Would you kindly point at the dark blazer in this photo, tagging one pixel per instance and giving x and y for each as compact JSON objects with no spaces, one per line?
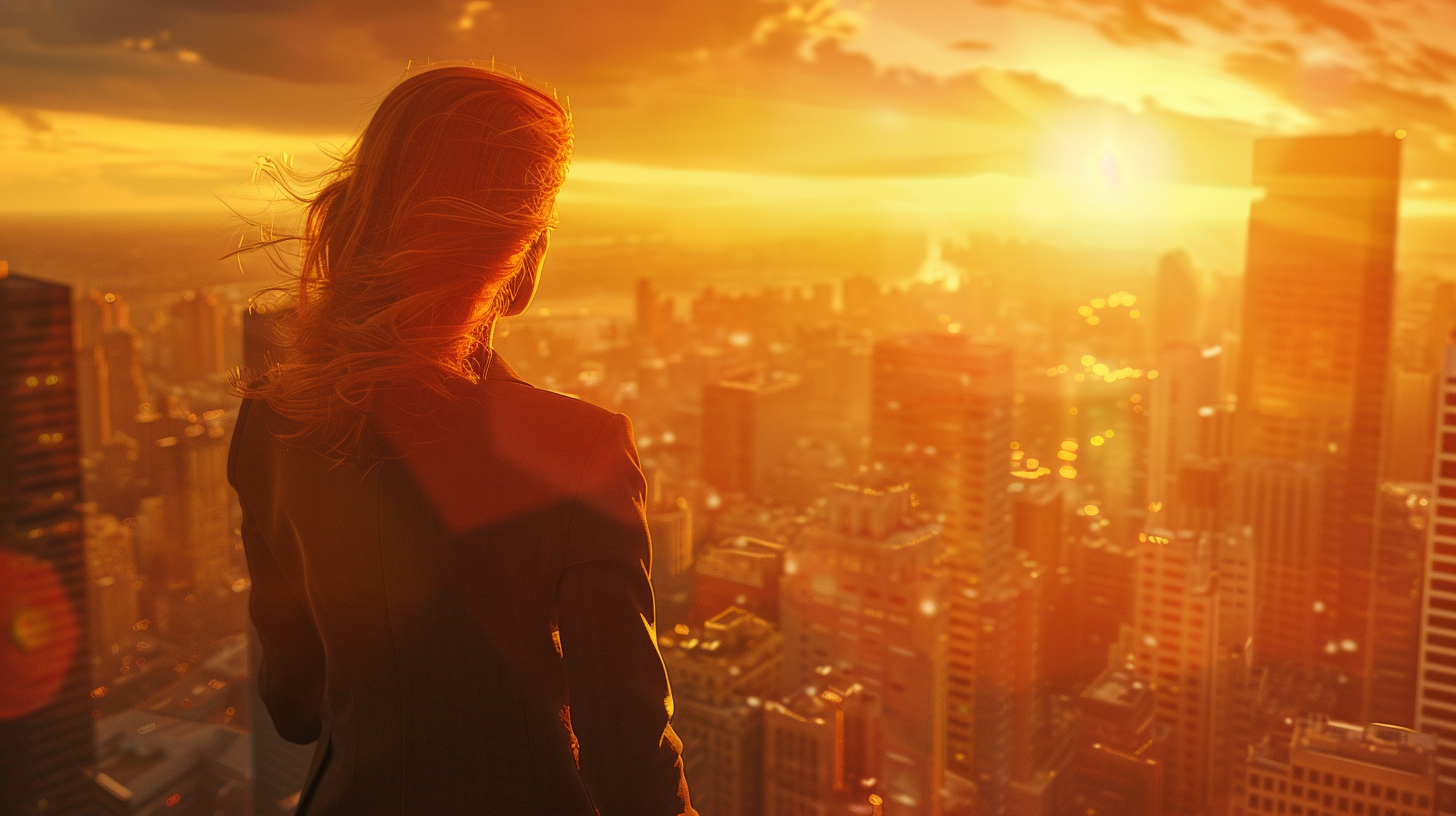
{"x":466,"y":627}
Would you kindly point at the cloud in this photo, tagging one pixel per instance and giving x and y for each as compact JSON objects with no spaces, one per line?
{"x":31,"y":120}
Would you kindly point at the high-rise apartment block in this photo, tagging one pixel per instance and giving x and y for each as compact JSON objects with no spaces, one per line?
{"x":821,"y":749}
{"x":862,"y":595}
{"x":1436,"y":697}
{"x":1327,"y":766}
{"x":112,"y":593}
{"x":45,"y":712}
{"x":1316,"y":321}
{"x":198,"y":328}
{"x":1404,"y":517}
{"x":721,"y":675}
{"x":748,"y":422}
{"x":941,"y":416}
{"x":1191,"y":638}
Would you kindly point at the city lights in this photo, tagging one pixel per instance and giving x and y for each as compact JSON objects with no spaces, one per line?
{"x":931,"y":408}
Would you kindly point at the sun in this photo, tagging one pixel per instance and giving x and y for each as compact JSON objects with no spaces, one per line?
{"x":1107,"y":168}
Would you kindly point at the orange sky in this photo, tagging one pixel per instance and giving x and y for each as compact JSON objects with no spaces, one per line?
{"x":1124,"y":121}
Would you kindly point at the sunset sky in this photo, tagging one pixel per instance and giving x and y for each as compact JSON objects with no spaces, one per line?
{"x":1097,"y":119}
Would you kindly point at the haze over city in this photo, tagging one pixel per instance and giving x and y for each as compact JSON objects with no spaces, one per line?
{"x":1042,"y":403}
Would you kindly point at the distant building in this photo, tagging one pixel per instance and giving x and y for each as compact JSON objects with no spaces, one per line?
{"x":1191,"y":638}
{"x":1187,"y":383}
{"x":1116,"y":765}
{"x":1316,"y":323}
{"x":670,"y":526}
{"x":198,"y":335}
{"x":45,"y":711}
{"x":862,"y":595}
{"x":1283,"y":502}
{"x":1404,"y":521}
{"x":941,"y":416}
{"x":742,"y":572}
{"x":1326,"y":766}
{"x":1104,"y":580}
{"x":748,"y":422}
{"x":123,"y":386}
{"x":112,"y":594}
{"x":821,"y":749}
{"x":721,"y":675}
{"x":1037,"y":524}
{"x":1410,"y":426}
{"x":158,"y":764}
{"x":190,"y":559}
{"x":1436,"y":697}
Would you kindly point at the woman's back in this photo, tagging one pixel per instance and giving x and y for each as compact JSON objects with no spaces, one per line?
{"x":408,"y":609}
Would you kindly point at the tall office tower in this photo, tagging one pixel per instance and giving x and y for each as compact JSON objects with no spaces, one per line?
{"x":720,"y":677}
{"x":112,"y":594}
{"x":821,"y":749}
{"x":1312,"y":371}
{"x":1327,"y":766}
{"x":1409,"y":430}
{"x":197,"y":326}
{"x":190,"y":560}
{"x":837,"y":378}
{"x":748,"y":422}
{"x":1177,"y":303}
{"x":1191,"y":636}
{"x":1284,"y":504}
{"x":1009,"y":722}
{"x":1117,"y":764}
{"x":1402,"y":522}
{"x":670,"y":527}
{"x":941,"y":416}
{"x":1104,"y":580}
{"x":741,"y":571}
{"x":1187,"y":384}
{"x":126,"y":388}
{"x":45,"y":712}
{"x":862,"y":594}
{"x":1436,"y":695}
{"x":648,"y":311}
{"x":1036,"y":522}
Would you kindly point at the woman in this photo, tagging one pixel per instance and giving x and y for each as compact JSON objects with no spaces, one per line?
{"x":450,"y":567}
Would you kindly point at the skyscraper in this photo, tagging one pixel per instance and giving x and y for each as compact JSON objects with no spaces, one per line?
{"x":721,"y":674}
{"x":862,"y":595}
{"x":748,"y":421}
{"x":1312,"y":369}
{"x":941,"y":416}
{"x":1436,"y":697}
{"x":45,"y":712}
{"x":1191,"y":636}
{"x":197,"y":328}
{"x":1395,"y":618}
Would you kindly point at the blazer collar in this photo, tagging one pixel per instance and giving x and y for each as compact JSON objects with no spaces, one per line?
{"x":496,"y":367}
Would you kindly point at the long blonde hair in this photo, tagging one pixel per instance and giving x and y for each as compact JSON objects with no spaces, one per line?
{"x":414,"y":244}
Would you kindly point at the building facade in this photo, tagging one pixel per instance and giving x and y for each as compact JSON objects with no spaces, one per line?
{"x":45,"y":711}
{"x":1316,"y":323}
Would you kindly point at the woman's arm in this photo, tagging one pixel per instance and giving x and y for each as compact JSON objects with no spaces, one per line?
{"x":621,"y":703}
{"x":291,"y":668}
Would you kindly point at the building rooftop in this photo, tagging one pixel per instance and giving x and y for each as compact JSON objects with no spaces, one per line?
{"x":1388,"y":746}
